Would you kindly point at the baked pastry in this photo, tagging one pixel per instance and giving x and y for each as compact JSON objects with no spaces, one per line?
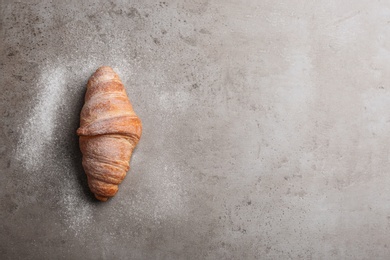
{"x":109,"y":131}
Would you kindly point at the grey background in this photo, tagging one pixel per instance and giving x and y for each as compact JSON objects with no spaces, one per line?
{"x":266,"y":128}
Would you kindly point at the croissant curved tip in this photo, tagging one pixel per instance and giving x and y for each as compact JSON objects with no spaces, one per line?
{"x":103,"y":74}
{"x":106,"y":68}
{"x":101,"y":198}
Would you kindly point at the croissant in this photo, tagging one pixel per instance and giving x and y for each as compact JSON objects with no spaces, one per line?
{"x":109,"y":131}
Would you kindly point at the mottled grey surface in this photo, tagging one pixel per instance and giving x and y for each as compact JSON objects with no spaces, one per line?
{"x":266,"y":129}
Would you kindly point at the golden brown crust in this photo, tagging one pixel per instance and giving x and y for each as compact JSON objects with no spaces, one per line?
{"x":109,"y":131}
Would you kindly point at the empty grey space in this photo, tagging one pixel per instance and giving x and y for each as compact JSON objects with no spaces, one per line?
{"x":266,"y":129}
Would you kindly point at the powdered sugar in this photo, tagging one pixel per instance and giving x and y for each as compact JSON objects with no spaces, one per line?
{"x":38,"y":136}
{"x":38,"y":130}
{"x":77,"y":213}
{"x":159,"y":195}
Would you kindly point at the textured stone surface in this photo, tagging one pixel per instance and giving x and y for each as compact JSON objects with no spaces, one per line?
{"x":266,"y":129}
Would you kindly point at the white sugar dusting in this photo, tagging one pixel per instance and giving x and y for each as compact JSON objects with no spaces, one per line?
{"x":37,"y":137}
{"x":38,"y":130}
{"x":77,"y":212}
{"x":162,"y":190}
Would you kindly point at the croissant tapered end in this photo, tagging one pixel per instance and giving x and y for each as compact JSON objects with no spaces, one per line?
{"x":103,"y":74}
{"x":109,"y":131}
{"x":101,"y":198}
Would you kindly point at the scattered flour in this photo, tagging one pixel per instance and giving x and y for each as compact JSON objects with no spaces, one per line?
{"x":159,"y":199}
{"x":76,"y":211}
{"x":38,"y":130}
{"x":37,"y":139}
